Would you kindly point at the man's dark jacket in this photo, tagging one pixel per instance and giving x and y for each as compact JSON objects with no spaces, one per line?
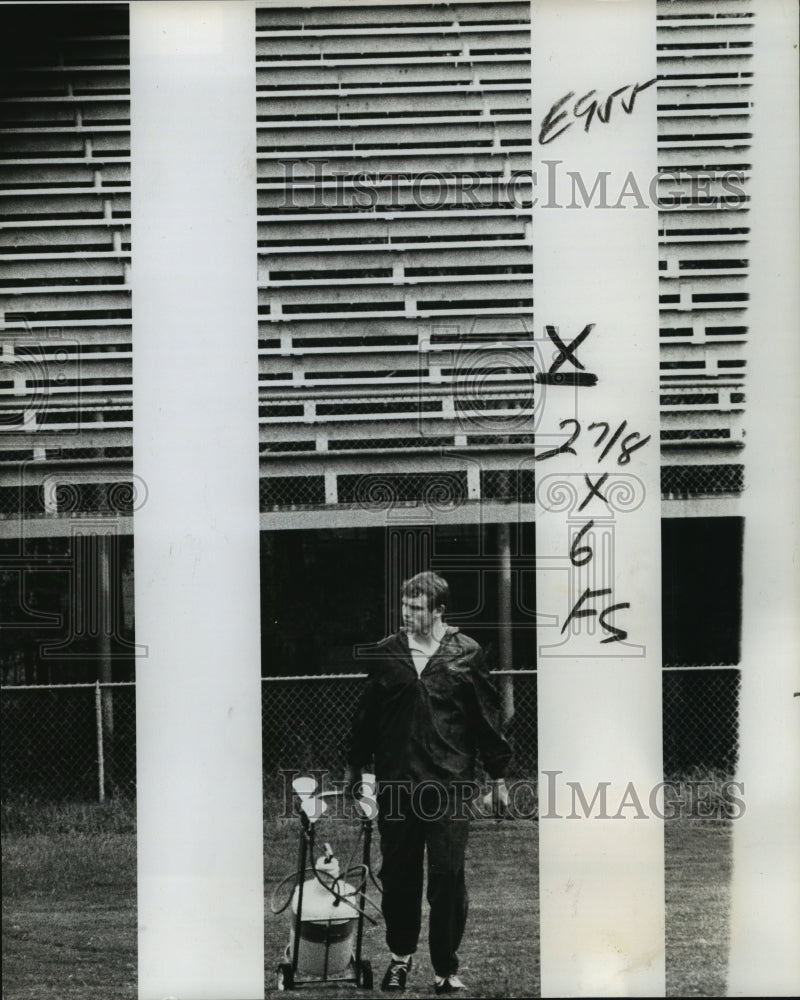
{"x":430,"y":726}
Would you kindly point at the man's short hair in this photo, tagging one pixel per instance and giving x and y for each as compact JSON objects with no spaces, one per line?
{"x":429,"y":585}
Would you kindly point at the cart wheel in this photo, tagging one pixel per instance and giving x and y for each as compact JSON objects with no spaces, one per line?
{"x":285,"y":976}
{"x":364,"y":974}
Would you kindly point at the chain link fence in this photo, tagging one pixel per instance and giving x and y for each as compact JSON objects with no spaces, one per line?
{"x":682,"y":482}
{"x":278,"y":492}
{"x":700,"y":707}
{"x":78,"y":742}
{"x":67,"y":742}
{"x":365,"y":490}
{"x":382,"y":490}
{"x":306,"y":722}
{"x":61,"y":499}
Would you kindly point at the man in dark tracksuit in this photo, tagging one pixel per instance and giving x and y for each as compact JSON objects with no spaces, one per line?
{"x":428,"y":709}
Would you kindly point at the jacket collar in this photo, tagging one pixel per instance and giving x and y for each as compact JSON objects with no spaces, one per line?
{"x":449,"y":632}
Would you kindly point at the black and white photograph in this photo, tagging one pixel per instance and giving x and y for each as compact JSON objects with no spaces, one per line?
{"x":398,"y":503}
{"x":67,"y":499}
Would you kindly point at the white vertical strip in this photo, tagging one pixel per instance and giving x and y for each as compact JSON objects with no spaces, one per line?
{"x":200,"y":870}
{"x":765,"y":914}
{"x":601,"y":857}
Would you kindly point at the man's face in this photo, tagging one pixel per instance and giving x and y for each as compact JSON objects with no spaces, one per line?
{"x":418,"y":618}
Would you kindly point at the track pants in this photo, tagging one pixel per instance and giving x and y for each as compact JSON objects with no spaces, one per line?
{"x":406,"y":831}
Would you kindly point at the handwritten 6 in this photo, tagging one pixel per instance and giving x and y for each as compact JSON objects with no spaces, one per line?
{"x":556,"y":121}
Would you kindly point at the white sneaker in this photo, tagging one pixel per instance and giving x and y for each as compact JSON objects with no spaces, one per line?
{"x":450,"y":985}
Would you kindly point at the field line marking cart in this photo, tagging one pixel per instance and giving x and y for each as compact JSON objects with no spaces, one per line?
{"x":327,"y":912}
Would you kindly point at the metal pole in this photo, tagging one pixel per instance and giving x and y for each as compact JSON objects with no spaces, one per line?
{"x":366,"y":826}
{"x":106,"y":628}
{"x":101,"y":765}
{"x":305,"y":845}
{"x":504,"y":618}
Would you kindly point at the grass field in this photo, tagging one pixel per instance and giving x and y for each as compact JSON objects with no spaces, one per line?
{"x":697,"y":868}
{"x":69,"y":903}
{"x":499,"y":955}
{"x":69,"y":906}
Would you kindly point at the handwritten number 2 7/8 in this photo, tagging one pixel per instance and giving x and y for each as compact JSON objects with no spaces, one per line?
{"x":627,"y":444}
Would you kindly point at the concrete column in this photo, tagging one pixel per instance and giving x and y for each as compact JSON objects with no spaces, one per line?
{"x":599,"y":666}
{"x":195,"y":387}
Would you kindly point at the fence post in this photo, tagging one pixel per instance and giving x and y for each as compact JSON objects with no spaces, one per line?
{"x":106,"y":628}
{"x":101,"y":767}
{"x":504,"y":618}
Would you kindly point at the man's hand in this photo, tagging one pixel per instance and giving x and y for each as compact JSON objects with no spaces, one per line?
{"x":361,"y":791}
{"x":497,"y":798}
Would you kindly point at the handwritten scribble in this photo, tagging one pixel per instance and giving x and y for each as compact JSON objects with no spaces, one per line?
{"x":588,"y":106}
